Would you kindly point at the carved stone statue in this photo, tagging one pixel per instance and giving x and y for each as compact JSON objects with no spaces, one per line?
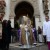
{"x":2,"y":9}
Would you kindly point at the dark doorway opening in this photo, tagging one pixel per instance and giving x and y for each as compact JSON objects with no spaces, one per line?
{"x":23,"y":9}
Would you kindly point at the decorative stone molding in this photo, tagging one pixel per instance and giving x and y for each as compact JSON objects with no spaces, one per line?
{"x":45,"y":7}
{"x":2,"y":9}
{"x":13,"y":0}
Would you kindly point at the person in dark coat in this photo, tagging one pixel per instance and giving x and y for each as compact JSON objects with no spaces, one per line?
{"x":40,"y":34}
{"x":6,"y":34}
{"x":9,"y":33}
{"x":35,"y":33}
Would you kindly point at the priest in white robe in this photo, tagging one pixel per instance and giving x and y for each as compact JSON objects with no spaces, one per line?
{"x":46,"y":30}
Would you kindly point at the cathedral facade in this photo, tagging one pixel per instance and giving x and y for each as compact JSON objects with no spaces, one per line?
{"x":34,"y":8}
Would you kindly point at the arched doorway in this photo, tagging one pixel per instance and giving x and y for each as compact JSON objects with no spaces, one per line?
{"x":23,"y":9}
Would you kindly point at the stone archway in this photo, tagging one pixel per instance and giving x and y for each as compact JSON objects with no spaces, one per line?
{"x":22,"y":9}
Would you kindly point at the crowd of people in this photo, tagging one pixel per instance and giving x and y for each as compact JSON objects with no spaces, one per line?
{"x":40,"y":35}
{"x":6,"y":34}
{"x":37,"y":34}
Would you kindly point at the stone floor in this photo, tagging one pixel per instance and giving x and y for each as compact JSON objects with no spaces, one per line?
{"x":39,"y":46}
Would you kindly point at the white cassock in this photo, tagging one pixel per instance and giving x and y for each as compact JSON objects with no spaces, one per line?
{"x":46,"y":30}
{"x":40,"y":38}
{"x":44,"y":27}
{"x":27,"y":34}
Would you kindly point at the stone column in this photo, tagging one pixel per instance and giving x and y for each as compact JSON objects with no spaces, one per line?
{"x":42,"y":16}
{"x":7,"y":10}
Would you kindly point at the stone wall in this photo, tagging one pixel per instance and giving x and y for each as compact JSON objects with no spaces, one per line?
{"x":34,"y":3}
